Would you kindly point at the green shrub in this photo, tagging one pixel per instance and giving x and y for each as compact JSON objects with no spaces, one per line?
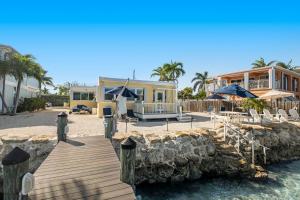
{"x":31,"y":104}
{"x":257,"y":104}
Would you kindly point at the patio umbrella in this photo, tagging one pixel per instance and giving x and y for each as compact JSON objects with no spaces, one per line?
{"x":125,"y":92}
{"x":235,"y":90}
{"x":215,"y":97}
{"x":275,"y":94}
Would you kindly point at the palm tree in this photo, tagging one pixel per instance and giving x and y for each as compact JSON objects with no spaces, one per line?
{"x":286,"y":65}
{"x":161,"y":72}
{"x":261,"y":63}
{"x":169,"y":71}
{"x":174,"y":70}
{"x":4,"y":70}
{"x":21,"y":65}
{"x":41,"y":76}
{"x":200,"y":80}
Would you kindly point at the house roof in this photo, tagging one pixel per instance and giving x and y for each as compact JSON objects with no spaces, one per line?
{"x":138,"y":81}
{"x":261,"y":69}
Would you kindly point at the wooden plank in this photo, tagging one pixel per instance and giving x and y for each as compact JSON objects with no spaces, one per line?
{"x":88,"y":170}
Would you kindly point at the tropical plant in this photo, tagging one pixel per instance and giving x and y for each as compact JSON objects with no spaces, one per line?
{"x":261,"y":63}
{"x":287,"y":65}
{"x":21,"y":65}
{"x":186,"y":93}
{"x":4,"y":70}
{"x":257,"y":104}
{"x":200,"y":95}
{"x":199,"y":81}
{"x":169,"y":71}
{"x":161,"y":72}
{"x":63,"y":90}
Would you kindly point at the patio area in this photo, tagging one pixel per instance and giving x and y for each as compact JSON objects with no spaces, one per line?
{"x":44,"y":123}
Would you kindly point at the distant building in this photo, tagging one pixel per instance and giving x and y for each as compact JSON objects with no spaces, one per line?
{"x":29,"y":87}
{"x":156,"y":99}
{"x":261,"y":80}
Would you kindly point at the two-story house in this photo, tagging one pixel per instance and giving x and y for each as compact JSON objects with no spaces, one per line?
{"x":29,"y":86}
{"x":261,"y":80}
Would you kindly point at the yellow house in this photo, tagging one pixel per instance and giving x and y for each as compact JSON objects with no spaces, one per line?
{"x":156,"y":99}
{"x":83,"y":95}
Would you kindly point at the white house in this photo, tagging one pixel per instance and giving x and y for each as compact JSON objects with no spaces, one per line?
{"x":29,"y":87}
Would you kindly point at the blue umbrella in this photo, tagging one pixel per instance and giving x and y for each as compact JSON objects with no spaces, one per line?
{"x":215,"y":97}
{"x":236,"y":90}
{"x":126,"y":92}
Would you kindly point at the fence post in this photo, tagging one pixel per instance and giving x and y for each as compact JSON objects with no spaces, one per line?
{"x":225,"y":130}
{"x":127,"y":159}
{"x":15,"y":166}
{"x":108,"y":126}
{"x":238,"y":143}
{"x":62,"y":121}
{"x":252,"y":147}
{"x":265,"y":155}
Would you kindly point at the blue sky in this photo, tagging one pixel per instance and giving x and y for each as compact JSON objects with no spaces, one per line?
{"x":81,"y":40}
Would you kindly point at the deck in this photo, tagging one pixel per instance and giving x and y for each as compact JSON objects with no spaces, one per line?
{"x":82,"y":168}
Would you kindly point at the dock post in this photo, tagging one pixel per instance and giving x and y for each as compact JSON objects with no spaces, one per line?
{"x":15,"y":166}
{"x":108,"y":126}
{"x":62,"y":121}
{"x":127,"y":159}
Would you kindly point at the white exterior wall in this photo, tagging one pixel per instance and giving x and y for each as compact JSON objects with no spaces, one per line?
{"x":29,"y":87}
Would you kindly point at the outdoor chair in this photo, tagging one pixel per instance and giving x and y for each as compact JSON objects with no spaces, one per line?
{"x":294,"y":114}
{"x":255,"y":116}
{"x":130,"y":116}
{"x":268,"y":116}
{"x":283,"y":116}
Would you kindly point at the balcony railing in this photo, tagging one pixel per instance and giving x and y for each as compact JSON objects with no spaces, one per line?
{"x":155,"y":108}
{"x":256,"y":84}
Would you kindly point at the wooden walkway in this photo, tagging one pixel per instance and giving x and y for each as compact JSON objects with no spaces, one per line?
{"x":83,"y":168}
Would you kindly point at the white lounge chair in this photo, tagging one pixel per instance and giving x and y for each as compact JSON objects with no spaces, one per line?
{"x":268,"y":116}
{"x":256,"y":117}
{"x":294,"y":114}
{"x":283,"y":116}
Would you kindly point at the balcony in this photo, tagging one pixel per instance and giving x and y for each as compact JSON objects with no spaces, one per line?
{"x":258,"y":84}
{"x":155,"y":110}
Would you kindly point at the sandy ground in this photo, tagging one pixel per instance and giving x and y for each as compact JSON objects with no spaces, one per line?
{"x":44,"y":123}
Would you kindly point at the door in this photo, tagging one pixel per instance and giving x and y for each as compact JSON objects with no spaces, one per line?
{"x":159,"y":101}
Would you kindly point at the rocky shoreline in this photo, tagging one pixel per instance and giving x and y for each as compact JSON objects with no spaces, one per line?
{"x":189,"y":155}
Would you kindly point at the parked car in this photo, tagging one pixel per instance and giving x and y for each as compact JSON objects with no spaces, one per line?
{"x":81,"y":108}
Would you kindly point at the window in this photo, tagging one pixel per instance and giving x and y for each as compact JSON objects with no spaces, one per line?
{"x":91,"y":96}
{"x":76,"y":96}
{"x":137,"y":91}
{"x":108,"y":96}
{"x":84,"y":96}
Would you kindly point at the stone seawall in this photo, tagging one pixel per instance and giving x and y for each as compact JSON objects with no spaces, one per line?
{"x":38,"y":147}
{"x":189,"y":155}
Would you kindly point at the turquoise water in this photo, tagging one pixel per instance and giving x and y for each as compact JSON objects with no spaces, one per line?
{"x":284,"y":183}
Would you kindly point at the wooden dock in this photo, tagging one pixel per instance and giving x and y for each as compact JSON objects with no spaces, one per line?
{"x":82,"y":168}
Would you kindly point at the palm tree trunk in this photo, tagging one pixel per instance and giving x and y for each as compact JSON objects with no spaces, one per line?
{"x":16,"y":100}
{"x":4,"y":105}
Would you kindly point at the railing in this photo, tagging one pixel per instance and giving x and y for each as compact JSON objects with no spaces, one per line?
{"x":155,"y":108}
{"x":234,"y":133}
{"x":256,"y":84}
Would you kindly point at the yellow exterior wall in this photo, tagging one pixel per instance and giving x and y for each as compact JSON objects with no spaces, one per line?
{"x":87,"y":103}
{"x":148,"y":96}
